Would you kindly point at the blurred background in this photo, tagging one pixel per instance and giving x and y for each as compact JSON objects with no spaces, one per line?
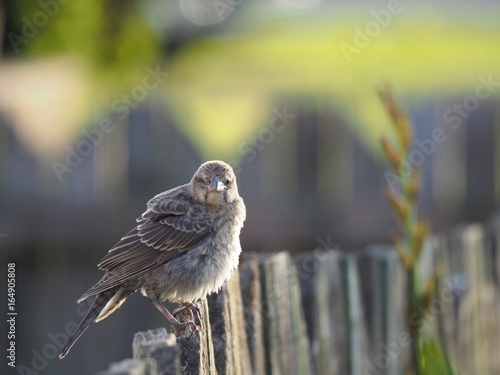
{"x":105,"y":103}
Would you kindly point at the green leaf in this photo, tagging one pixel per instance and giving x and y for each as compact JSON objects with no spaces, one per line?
{"x":433,"y":360}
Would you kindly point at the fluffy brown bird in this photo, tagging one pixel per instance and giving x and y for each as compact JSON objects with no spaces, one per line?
{"x":185,"y":246}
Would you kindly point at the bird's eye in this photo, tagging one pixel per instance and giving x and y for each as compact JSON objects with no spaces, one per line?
{"x":227,"y":181}
{"x":204,"y":180}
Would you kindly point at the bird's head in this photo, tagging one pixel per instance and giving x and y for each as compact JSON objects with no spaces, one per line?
{"x":214,"y":183}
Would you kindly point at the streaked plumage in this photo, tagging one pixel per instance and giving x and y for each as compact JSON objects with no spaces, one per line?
{"x":185,"y":246}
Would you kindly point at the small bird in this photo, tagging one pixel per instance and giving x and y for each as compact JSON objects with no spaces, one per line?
{"x":185,"y":246}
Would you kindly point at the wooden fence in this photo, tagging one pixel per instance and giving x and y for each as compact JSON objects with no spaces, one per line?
{"x":334,"y":312}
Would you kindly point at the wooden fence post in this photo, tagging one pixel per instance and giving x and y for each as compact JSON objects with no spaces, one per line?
{"x":494,"y":254}
{"x":440,"y":315}
{"x":285,"y":337}
{"x":322,"y":289}
{"x":330,"y":312}
{"x":159,"y":346}
{"x":356,"y":327}
{"x":384,"y":307}
{"x":495,"y":248}
{"x":251,"y":293}
{"x":146,"y":366}
{"x":228,"y":329}
{"x":477,"y":321}
{"x":196,"y":350}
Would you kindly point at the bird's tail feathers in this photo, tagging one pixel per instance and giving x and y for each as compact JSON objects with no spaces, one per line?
{"x":113,"y":303}
{"x":105,"y":303}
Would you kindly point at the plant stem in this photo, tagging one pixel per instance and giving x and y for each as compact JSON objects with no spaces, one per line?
{"x":414,"y":327}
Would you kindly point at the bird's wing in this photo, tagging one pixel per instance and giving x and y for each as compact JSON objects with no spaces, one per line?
{"x":169,"y":227}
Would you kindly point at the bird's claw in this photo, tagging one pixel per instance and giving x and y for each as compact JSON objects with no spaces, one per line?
{"x":195,"y":313}
{"x":194,"y":322}
{"x":180,"y":328}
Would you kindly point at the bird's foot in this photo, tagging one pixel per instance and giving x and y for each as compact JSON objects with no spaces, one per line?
{"x":177,"y":326}
{"x":194,"y":309}
{"x":180,"y":327}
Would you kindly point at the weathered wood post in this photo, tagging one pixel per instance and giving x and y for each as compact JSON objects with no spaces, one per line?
{"x":160,"y":347}
{"x":251,"y":293}
{"x":334,"y":312}
{"x":439,"y":319}
{"x":477,"y":314}
{"x":196,"y":350}
{"x":383,"y":293}
{"x":356,"y":326}
{"x":132,"y":367}
{"x":161,"y":353}
{"x":494,"y":243}
{"x":228,"y":336}
{"x":320,"y":276}
{"x":285,"y":337}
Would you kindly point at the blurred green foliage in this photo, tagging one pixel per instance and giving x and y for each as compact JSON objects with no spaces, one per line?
{"x":428,"y":356}
{"x":234,"y":82}
{"x":433,"y":360}
{"x":111,"y":37}
{"x":234,"y":77}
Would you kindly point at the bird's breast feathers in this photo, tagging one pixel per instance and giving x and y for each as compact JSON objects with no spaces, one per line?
{"x":203,"y":269}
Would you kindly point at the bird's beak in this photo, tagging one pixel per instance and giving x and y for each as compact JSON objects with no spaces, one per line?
{"x":217,"y":184}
